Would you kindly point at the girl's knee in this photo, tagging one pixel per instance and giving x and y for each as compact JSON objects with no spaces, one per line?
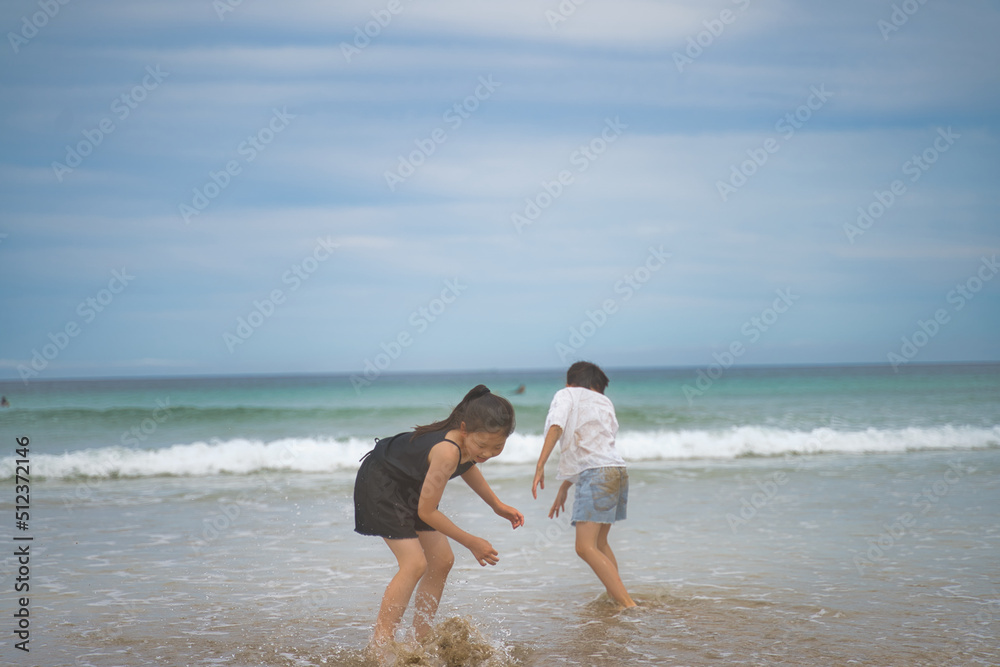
{"x":441,"y":563}
{"x":413,"y":568}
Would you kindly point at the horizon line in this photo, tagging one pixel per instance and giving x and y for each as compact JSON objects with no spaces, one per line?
{"x":551,"y":369}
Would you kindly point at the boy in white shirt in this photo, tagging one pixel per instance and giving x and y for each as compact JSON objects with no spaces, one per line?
{"x":582,"y":419}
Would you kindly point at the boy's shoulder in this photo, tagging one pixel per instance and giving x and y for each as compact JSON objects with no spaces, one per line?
{"x":581,"y":394}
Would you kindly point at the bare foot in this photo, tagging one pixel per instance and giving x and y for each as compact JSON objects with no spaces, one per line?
{"x":381,"y":653}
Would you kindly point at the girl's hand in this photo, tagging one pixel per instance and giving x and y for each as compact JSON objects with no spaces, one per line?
{"x":483,"y":551}
{"x":560,"y":502}
{"x":506,"y":511}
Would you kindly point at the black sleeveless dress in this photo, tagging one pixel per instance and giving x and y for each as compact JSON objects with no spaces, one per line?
{"x":387,"y":488}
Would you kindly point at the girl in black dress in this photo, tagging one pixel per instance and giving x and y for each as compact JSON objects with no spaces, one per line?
{"x":396,"y":496}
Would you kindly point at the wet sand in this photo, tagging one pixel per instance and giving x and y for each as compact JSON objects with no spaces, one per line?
{"x":807,"y":561}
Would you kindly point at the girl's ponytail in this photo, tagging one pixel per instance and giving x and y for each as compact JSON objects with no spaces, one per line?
{"x":476,"y":392}
{"x":481,"y":410}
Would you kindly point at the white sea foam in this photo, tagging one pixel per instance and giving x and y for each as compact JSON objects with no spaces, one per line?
{"x":241,"y":456}
{"x":237,"y":456}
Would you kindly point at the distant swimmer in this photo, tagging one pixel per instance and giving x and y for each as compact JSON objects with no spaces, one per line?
{"x":520,"y":389}
{"x":4,"y":403}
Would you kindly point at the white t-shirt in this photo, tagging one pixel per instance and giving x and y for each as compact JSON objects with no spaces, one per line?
{"x":589,"y":426}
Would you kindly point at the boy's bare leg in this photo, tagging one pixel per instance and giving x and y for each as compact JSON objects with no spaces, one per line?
{"x":602,"y":544}
{"x":439,"y":561}
{"x":412,"y":565}
{"x":605,"y":568}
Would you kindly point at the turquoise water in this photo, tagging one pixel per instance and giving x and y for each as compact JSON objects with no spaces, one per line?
{"x":770,"y":411}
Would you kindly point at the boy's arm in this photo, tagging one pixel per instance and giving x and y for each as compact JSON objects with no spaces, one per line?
{"x":474,"y":478}
{"x":551,"y":438}
{"x":560,"y":502}
{"x":443,"y":461}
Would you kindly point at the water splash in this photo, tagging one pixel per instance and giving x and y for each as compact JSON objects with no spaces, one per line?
{"x":455,"y":642}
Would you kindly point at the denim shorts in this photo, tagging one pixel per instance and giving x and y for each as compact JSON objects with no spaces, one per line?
{"x":601,"y":495}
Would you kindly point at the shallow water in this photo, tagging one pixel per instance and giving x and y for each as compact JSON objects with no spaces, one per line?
{"x":809,"y":560}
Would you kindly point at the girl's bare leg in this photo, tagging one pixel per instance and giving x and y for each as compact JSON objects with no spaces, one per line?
{"x":606,"y":569}
{"x":440,"y":558}
{"x":412,"y":565}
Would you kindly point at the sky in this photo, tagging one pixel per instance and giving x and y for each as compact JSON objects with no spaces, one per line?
{"x":199,"y":187}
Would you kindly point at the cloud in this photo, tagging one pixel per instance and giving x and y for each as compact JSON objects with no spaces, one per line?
{"x":450,"y":213}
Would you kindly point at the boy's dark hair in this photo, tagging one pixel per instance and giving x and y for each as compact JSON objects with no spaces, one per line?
{"x":481,"y":410}
{"x":588,"y":375}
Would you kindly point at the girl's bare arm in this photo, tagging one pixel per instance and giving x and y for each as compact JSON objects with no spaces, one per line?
{"x":474,"y":478}
{"x":444,"y":460}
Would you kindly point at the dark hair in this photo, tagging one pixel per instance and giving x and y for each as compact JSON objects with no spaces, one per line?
{"x":588,"y":375}
{"x":481,"y":410}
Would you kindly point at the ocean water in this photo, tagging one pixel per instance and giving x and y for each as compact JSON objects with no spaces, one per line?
{"x":794,"y":516}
